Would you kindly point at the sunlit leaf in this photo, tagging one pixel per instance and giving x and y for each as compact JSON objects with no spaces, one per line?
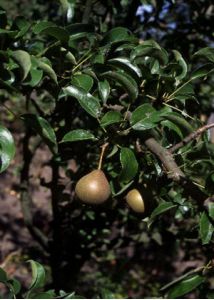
{"x":7,"y":148}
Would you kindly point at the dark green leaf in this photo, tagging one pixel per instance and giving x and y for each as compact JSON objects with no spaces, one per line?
{"x":88,"y":102}
{"x":3,"y":276}
{"x":145,"y":117}
{"x":129,"y":165}
{"x":115,"y":35}
{"x":126,"y":65}
{"x":182,"y":64}
{"x":127,"y":82}
{"x":83,"y":80}
{"x":15,"y":285}
{"x":206,"y":229}
{"x":152,"y":49}
{"x":110,"y":117}
{"x":179,"y":121}
{"x":7,"y":148}
{"x":40,"y":26}
{"x":78,"y":135}
{"x":162,"y":208}
{"x":206,"y":52}
{"x":42,"y":128}
{"x":43,"y":295}
{"x":104,"y":90}
{"x":173,"y":127}
{"x":38,"y":276}
{"x":23,"y":60}
{"x":185,"y":286}
{"x":202,"y":71}
{"x":57,"y":32}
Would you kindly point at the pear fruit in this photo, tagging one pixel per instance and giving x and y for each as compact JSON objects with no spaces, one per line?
{"x":135,"y":201}
{"x":93,"y":188}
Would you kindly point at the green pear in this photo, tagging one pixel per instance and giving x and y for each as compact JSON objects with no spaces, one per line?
{"x":93,"y":188}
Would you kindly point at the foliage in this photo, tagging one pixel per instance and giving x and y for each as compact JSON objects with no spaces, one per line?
{"x":83,"y":88}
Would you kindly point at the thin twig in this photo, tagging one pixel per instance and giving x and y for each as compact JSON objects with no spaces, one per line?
{"x":190,"y":137}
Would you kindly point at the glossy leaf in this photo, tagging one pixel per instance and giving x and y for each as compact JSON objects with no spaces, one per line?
{"x":129,"y":165}
{"x":110,"y":117}
{"x":180,"y":60}
{"x":185,"y":286}
{"x":126,"y":65}
{"x":44,"y":66}
{"x":104,"y":90}
{"x":57,"y":32}
{"x":23,"y":60}
{"x":152,"y":49}
{"x":88,"y":102}
{"x":43,"y":129}
{"x":162,"y":208}
{"x":206,"y":229}
{"x":83,"y":81}
{"x":179,"y":121}
{"x":145,"y":117}
{"x":126,"y":81}
{"x":7,"y":148}
{"x":38,"y":275}
{"x":78,"y":135}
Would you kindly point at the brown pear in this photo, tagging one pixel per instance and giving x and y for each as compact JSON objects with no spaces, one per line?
{"x":135,"y":201}
{"x":93,"y":188}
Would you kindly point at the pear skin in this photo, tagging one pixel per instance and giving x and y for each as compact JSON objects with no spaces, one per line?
{"x":135,"y":201}
{"x":93,"y":188}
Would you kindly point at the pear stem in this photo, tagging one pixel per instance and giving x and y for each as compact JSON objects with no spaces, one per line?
{"x":104,"y":146}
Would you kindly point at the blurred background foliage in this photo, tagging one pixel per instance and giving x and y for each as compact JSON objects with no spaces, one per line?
{"x":127,"y":260}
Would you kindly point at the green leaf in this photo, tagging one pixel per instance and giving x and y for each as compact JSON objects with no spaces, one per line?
{"x":40,"y":26}
{"x":185,"y":286}
{"x":57,"y":32}
{"x":38,"y":276}
{"x":43,"y":129}
{"x":83,"y":80}
{"x":173,"y":127}
{"x":7,"y":148}
{"x":152,"y":49}
{"x":115,"y":35}
{"x":127,"y":82}
{"x":68,"y":55}
{"x":23,"y":60}
{"x":104,"y":90}
{"x":145,"y":117}
{"x":182,"y":64}
{"x":179,"y":121}
{"x":78,"y":135}
{"x":202,"y":71}
{"x":79,"y":30}
{"x":44,"y":66}
{"x":211,"y":210}
{"x":3,"y":276}
{"x":15,"y":285}
{"x":162,"y":208}
{"x":111,"y":117}
{"x":22,"y":25}
{"x":206,"y":52}
{"x":129,"y":165}
{"x":88,"y":102}
{"x":43,"y":295}
{"x":126,"y":65}
{"x":206,"y":229}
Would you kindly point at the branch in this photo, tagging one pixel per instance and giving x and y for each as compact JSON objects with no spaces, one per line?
{"x":190,"y":137}
{"x":25,"y":197}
